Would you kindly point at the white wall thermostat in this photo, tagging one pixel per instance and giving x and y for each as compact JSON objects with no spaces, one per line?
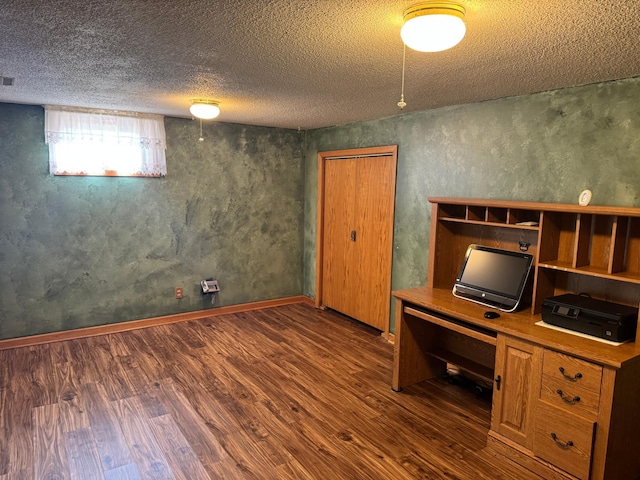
{"x":584,"y":198}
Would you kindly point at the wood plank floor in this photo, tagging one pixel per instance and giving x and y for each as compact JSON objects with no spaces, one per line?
{"x":282,"y":393}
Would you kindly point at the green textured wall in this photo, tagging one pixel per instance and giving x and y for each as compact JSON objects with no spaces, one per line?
{"x":241,"y":206}
{"x":84,"y":251}
{"x":542,"y":147}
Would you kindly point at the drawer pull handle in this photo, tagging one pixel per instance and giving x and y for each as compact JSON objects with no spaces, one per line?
{"x":566,"y":398}
{"x":560,"y":443}
{"x":498,"y":381}
{"x":569,"y":377}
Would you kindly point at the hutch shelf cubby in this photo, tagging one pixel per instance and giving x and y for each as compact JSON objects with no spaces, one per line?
{"x":589,"y":250}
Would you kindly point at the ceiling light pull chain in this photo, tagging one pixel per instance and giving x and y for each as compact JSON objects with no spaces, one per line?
{"x":402,"y":103}
{"x":201,"y":139}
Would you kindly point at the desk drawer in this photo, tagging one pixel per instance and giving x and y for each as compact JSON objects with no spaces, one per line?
{"x":570,"y":397}
{"x":571,"y":384}
{"x":563,"y":439}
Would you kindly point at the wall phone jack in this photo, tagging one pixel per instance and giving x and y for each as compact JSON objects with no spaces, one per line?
{"x":210,"y":287}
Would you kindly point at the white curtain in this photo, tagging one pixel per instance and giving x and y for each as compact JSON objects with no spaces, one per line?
{"x":88,"y":142}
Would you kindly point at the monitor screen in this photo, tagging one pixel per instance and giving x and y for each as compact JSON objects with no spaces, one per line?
{"x":493,"y":277}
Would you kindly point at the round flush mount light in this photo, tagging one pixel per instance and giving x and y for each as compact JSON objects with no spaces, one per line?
{"x":204,"y":109}
{"x":433,"y":26}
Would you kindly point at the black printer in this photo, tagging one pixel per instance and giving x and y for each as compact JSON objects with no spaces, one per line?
{"x":583,"y":314}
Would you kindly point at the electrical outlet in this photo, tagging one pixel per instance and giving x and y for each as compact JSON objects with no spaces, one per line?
{"x":178,"y":292}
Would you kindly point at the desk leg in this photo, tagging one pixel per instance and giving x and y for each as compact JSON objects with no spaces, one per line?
{"x":411,"y":360}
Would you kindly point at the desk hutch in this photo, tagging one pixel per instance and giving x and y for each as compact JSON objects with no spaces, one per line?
{"x":564,"y":406}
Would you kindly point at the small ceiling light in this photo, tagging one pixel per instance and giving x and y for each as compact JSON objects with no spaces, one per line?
{"x":204,"y":109}
{"x":433,"y":26}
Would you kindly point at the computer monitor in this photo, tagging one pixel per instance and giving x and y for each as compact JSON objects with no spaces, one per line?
{"x":493,"y":277}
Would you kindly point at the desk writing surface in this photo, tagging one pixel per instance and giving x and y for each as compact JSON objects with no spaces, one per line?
{"x":521,"y":325}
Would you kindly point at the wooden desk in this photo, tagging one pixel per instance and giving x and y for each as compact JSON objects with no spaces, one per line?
{"x":596,"y":436}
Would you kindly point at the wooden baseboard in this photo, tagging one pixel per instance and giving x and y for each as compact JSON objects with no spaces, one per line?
{"x":148,"y":322}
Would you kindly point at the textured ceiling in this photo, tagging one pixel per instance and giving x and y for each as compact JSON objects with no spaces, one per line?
{"x":301,"y":64}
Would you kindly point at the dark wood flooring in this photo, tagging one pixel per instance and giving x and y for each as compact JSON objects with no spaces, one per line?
{"x":282,"y":393}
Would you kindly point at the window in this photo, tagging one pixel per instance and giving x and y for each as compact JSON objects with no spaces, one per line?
{"x":105,"y":143}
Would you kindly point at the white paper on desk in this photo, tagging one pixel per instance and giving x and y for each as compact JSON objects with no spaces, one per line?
{"x":579,"y":334}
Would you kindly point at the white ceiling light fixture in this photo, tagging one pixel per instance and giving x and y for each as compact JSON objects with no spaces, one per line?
{"x":433,"y":26}
{"x":205,"y":109}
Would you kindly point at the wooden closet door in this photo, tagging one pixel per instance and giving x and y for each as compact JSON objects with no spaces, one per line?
{"x":339,"y":205}
{"x":359,"y":200}
{"x":375,"y":200}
